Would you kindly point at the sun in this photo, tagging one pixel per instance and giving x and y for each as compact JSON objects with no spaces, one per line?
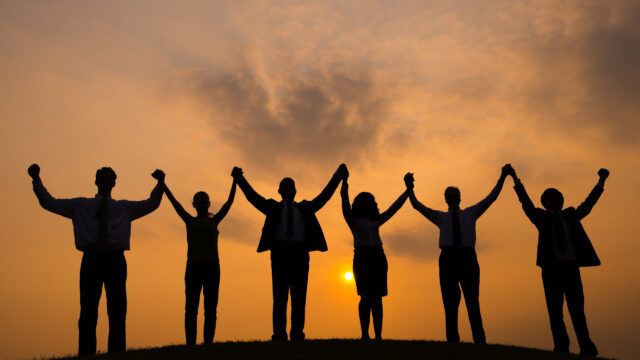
{"x":348,"y":276}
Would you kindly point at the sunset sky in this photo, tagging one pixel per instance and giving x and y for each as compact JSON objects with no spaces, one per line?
{"x":448,"y":90}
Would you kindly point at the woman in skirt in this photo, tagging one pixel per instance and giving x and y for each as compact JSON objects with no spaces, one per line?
{"x":203,"y":264}
{"x":369,"y":261}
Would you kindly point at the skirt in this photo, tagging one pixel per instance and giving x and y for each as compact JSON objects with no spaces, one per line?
{"x":370,"y":271}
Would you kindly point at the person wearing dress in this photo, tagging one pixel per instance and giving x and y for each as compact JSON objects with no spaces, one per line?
{"x":369,"y":261}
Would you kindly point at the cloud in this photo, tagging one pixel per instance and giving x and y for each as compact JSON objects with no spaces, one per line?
{"x":419,"y":242}
{"x":321,"y":117}
{"x":585,"y":68}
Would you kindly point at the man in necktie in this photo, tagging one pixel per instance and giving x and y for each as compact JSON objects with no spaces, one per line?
{"x":291,"y":230}
{"x":458,"y":263}
{"x":102,"y":229}
{"x":563,"y":247}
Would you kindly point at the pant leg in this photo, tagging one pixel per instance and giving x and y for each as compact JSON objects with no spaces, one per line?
{"x":575,"y":302}
{"x":470,"y":283}
{"x":280,"y":288}
{"x":299,"y":282}
{"x":90,"y":292}
{"x":116,"y":290}
{"x":450,"y":294}
{"x":210,"y":290}
{"x":554,"y":294}
{"x":192,"y":287}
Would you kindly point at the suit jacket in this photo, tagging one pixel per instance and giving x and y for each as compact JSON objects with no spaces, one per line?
{"x":314,"y":239}
{"x":542,"y":219}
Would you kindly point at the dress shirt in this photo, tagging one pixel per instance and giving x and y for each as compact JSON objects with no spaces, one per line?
{"x":468,"y":218}
{"x":83,"y":213}
{"x":298,"y":223}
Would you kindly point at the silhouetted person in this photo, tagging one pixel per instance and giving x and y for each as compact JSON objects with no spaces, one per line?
{"x":290,"y":231}
{"x":563,"y":247}
{"x":369,"y":261}
{"x":102,"y":230}
{"x":203,"y":264}
{"x":458,"y":262}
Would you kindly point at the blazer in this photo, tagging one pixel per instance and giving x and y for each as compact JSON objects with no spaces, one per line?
{"x":542,"y":219}
{"x":314,"y":239}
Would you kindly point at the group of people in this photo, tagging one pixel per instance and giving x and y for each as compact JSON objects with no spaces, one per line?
{"x":102,"y":228}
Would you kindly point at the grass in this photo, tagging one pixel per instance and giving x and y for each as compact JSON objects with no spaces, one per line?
{"x":337,"y":349}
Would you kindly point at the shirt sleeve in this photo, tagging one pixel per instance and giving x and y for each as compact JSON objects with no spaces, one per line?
{"x":483,"y":205}
{"x":62,"y":207}
{"x":141,"y":208}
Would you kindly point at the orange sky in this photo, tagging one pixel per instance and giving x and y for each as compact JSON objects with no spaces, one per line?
{"x":448,"y":91}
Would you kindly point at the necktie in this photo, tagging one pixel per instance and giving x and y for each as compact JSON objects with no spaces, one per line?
{"x":558,"y":228}
{"x":102,"y":220}
{"x":455,"y":222}
{"x":289,"y":221}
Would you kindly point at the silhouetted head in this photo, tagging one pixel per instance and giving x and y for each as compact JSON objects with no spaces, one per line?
{"x":552,"y":199}
{"x":364,"y":204}
{"x":287,"y":189}
{"x":201,"y":202}
{"x":452,"y":197}
{"x":105,"y":180}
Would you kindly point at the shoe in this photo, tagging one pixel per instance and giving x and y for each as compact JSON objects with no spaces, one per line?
{"x":297,"y":337}
{"x":590,"y":351}
{"x":275,"y":337}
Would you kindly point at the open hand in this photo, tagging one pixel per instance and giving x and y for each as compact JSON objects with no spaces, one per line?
{"x":158,"y":175}
{"x":34,"y":171}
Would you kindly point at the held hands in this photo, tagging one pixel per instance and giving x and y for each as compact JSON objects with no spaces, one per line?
{"x":408,"y":181}
{"x":343,"y":172}
{"x":158,"y":175}
{"x":507,"y":170}
{"x":34,"y":171}
{"x":236,"y":173}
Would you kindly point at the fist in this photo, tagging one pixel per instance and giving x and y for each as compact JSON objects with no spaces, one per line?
{"x":343,"y":171}
{"x":603,"y":173}
{"x":408,"y":180}
{"x":236,"y":172}
{"x":34,"y":171}
{"x":158,"y":175}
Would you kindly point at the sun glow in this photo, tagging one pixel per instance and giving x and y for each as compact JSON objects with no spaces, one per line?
{"x":348,"y":276}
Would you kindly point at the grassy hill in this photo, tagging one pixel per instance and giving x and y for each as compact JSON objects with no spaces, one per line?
{"x":338,"y":349}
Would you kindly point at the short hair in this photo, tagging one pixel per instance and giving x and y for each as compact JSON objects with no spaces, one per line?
{"x":451,"y":189}
{"x":287,"y":181}
{"x":106,"y":170}
{"x":548,"y":195}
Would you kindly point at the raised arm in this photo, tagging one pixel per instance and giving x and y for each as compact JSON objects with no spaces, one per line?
{"x":430,"y":214}
{"x":184,"y":215}
{"x":145,"y":207}
{"x":527,"y":205}
{"x":346,"y":205}
{"x":484,"y":204}
{"x":224,"y":210}
{"x":319,"y":201}
{"x":252,"y":196}
{"x":385,"y":216}
{"x":585,"y":208}
{"x":62,"y":207}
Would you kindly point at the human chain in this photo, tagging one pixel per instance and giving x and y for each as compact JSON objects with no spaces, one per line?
{"x":102,"y":229}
